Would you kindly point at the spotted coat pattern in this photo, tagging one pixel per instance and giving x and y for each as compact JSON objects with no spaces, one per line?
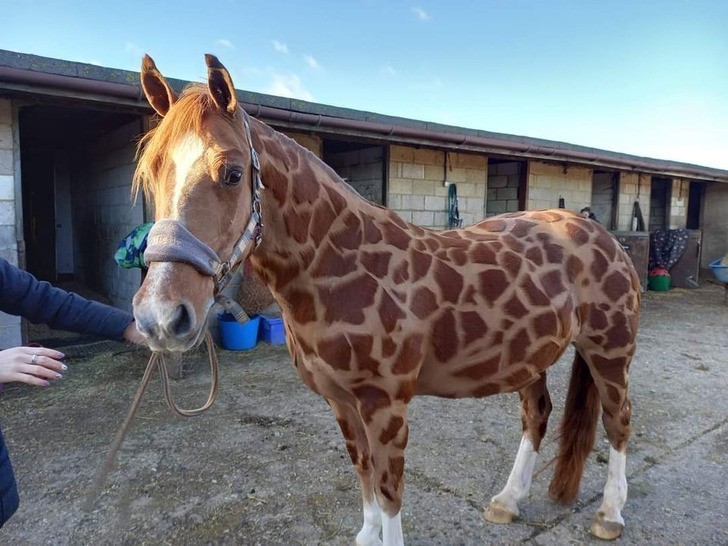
{"x":378,"y":310}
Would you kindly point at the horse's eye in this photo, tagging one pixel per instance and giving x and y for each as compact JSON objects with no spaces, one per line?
{"x":233,"y":178}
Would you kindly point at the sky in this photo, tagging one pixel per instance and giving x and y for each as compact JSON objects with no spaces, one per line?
{"x":642,"y":77}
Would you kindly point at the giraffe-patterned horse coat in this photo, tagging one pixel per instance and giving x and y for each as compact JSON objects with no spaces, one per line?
{"x":378,"y":310}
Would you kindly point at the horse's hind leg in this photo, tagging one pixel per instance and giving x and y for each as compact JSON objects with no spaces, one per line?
{"x":535,"y":410}
{"x":357,"y":445}
{"x":610,"y":376}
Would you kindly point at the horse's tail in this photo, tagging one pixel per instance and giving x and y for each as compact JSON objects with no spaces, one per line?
{"x":578,"y":431}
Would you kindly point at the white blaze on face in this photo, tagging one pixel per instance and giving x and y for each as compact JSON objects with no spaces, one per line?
{"x":188,"y":150}
{"x":158,"y":282}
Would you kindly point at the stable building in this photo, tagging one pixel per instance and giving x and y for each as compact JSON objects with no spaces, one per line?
{"x":69,"y":131}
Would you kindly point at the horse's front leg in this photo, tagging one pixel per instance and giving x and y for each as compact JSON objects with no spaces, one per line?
{"x":385,"y":422}
{"x":357,"y":445}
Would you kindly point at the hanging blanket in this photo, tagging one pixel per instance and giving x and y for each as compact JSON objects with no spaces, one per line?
{"x":131,"y":249}
{"x":666,"y":247}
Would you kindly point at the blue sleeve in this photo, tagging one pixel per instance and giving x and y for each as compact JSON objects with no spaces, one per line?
{"x":40,"y":302}
{"x":8,"y":488}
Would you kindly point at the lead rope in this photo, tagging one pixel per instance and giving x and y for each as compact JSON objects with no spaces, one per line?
{"x":155,"y":361}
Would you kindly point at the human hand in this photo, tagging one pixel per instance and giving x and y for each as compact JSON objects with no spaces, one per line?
{"x":133,"y":335}
{"x":31,"y":365}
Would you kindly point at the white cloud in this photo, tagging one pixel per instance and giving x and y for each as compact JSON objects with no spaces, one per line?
{"x":224,"y":42}
{"x":134,"y":49}
{"x":288,"y":85}
{"x":389,"y":70}
{"x":421,"y":14}
{"x":313,"y":63}
{"x":280,"y":47}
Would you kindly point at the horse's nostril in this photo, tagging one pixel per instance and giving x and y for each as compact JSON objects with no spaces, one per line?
{"x":146,"y":325}
{"x":181,"y":322}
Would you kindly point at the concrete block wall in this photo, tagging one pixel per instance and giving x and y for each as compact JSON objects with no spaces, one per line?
{"x":416,"y":189}
{"x":363,"y":169}
{"x":308,"y":141}
{"x":8,"y":238}
{"x":10,"y":329}
{"x":633,"y":187}
{"x":103,"y":213}
{"x":547,"y":182}
{"x":503,"y":182}
{"x":679,"y":203}
{"x":715,"y":223}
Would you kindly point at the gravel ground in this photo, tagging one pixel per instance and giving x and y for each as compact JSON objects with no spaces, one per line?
{"x":266,"y":465}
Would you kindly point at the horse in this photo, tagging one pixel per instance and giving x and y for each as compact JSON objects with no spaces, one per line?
{"x":377,"y":310}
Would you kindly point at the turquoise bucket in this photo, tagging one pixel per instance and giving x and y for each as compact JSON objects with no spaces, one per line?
{"x":236,"y":336}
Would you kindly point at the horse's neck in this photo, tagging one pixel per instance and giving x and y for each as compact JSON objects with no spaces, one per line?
{"x":313,"y":221}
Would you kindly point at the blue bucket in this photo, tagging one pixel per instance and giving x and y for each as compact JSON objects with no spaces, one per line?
{"x":719,"y":270}
{"x":236,"y":336}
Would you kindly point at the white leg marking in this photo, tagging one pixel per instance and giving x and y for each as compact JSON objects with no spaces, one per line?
{"x":392,"y":530}
{"x":369,"y":534}
{"x":188,"y":150}
{"x":615,"y":491}
{"x":519,"y":481}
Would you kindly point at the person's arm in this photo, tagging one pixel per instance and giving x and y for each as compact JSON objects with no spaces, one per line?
{"x":40,"y":302}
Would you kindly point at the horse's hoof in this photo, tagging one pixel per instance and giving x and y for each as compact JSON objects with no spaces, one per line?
{"x":497,"y":513}
{"x":605,"y":529}
{"x":368,"y":537}
{"x":368,"y":542}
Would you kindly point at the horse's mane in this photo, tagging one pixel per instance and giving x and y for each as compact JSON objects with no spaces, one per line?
{"x":187,"y":115}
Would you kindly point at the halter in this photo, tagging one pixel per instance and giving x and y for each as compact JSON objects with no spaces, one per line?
{"x":170,"y":241}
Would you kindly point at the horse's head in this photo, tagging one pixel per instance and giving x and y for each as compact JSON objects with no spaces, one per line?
{"x":197,"y":167}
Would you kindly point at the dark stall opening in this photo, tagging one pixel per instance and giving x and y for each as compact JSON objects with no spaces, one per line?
{"x":506,"y":189}
{"x":695,"y":205}
{"x":660,"y":195}
{"x":605,"y":195}
{"x":361,"y":164}
{"x":56,"y":142}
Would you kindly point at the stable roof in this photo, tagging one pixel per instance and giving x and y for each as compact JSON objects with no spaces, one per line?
{"x":24,"y":75}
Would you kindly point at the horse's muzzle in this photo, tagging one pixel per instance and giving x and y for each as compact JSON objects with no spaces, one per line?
{"x":168,"y":328}
{"x":172,"y":320}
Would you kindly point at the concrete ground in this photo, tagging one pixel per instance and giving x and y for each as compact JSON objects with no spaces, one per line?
{"x":267,"y":465}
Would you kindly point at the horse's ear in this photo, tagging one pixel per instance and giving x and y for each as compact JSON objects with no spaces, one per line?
{"x":221,"y":85}
{"x":158,"y":92}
